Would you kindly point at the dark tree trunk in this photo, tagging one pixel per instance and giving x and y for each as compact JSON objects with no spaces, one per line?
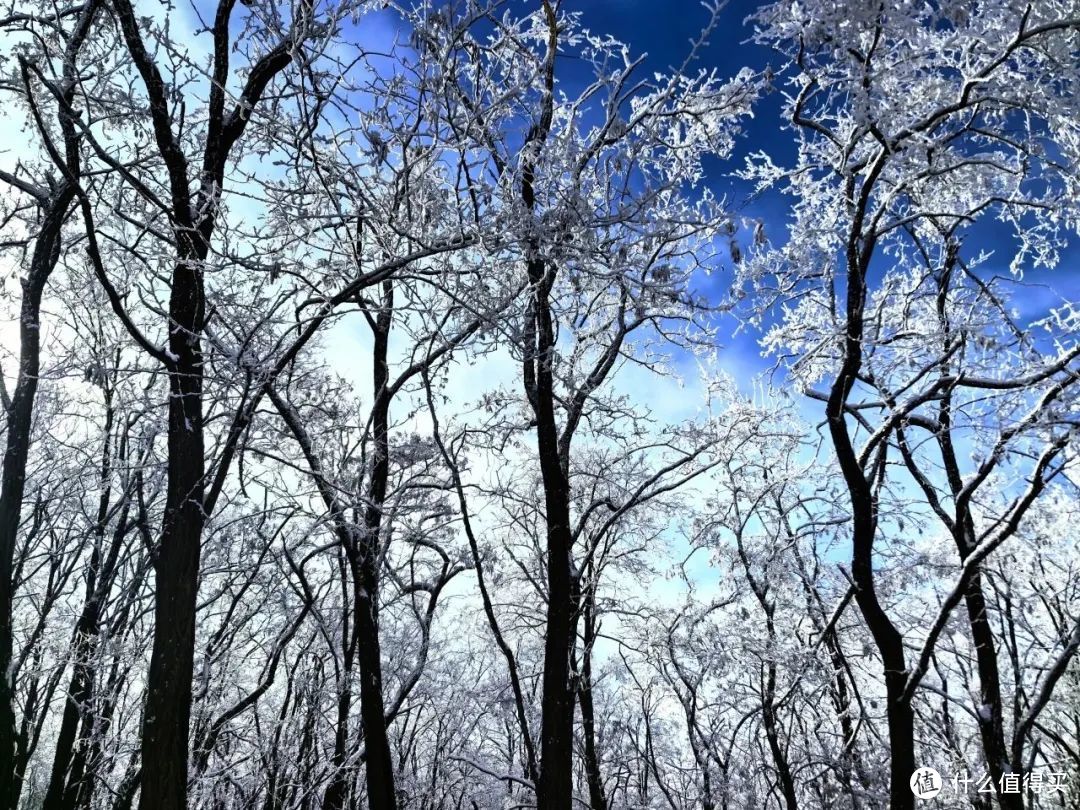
{"x":363,"y":550}
{"x":772,"y":733}
{"x":555,"y":789}
{"x":305,"y":768}
{"x":379,"y":767}
{"x":20,"y":413}
{"x":597,"y":800}
{"x":167,"y":712}
{"x":336,"y":793}
{"x":990,"y":712}
{"x":890,"y":644}
{"x":125,"y":794}
{"x":66,"y":773}
{"x":19,"y":421}
{"x":888,"y":640}
{"x":176,"y":563}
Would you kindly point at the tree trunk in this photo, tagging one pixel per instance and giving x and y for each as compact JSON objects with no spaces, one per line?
{"x":335,"y":795}
{"x":772,"y":733}
{"x":13,"y":481}
{"x":363,"y":550}
{"x":597,"y":800}
{"x":990,"y":710}
{"x":379,"y":767}
{"x":167,"y":712}
{"x":989,"y":713}
{"x":890,"y":644}
{"x":555,"y":789}
{"x":889,"y":640}
{"x":176,"y":564}
{"x":64,"y":778}
{"x":20,"y":413}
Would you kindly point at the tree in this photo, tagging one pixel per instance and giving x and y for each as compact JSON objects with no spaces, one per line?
{"x":373,"y":441}
{"x":599,"y":251}
{"x":192,"y":220}
{"x":51,"y":195}
{"x":915,"y":126}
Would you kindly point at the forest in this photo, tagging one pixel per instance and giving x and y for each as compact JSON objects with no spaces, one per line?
{"x":471,"y":405}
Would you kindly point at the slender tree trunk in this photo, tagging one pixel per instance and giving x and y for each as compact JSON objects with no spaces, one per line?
{"x":13,"y":480}
{"x":20,"y":416}
{"x":125,"y":794}
{"x":989,"y":712}
{"x":80,"y":690}
{"x":899,"y":713}
{"x":379,"y":768}
{"x":304,"y":758}
{"x":176,"y":565}
{"x":379,"y":764}
{"x":597,"y":800}
{"x":363,"y":550}
{"x":772,"y":733}
{"x":889,"y":640}
{"x":335,"y":796}
{"x":20,"y":413}
{"x":555,"y":790}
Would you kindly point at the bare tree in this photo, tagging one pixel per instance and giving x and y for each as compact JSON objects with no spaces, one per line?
{"x":372,"y":440}
{"x":898,"y":177}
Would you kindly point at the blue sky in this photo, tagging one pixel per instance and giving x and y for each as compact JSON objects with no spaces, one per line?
{"x":664,"y":30}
